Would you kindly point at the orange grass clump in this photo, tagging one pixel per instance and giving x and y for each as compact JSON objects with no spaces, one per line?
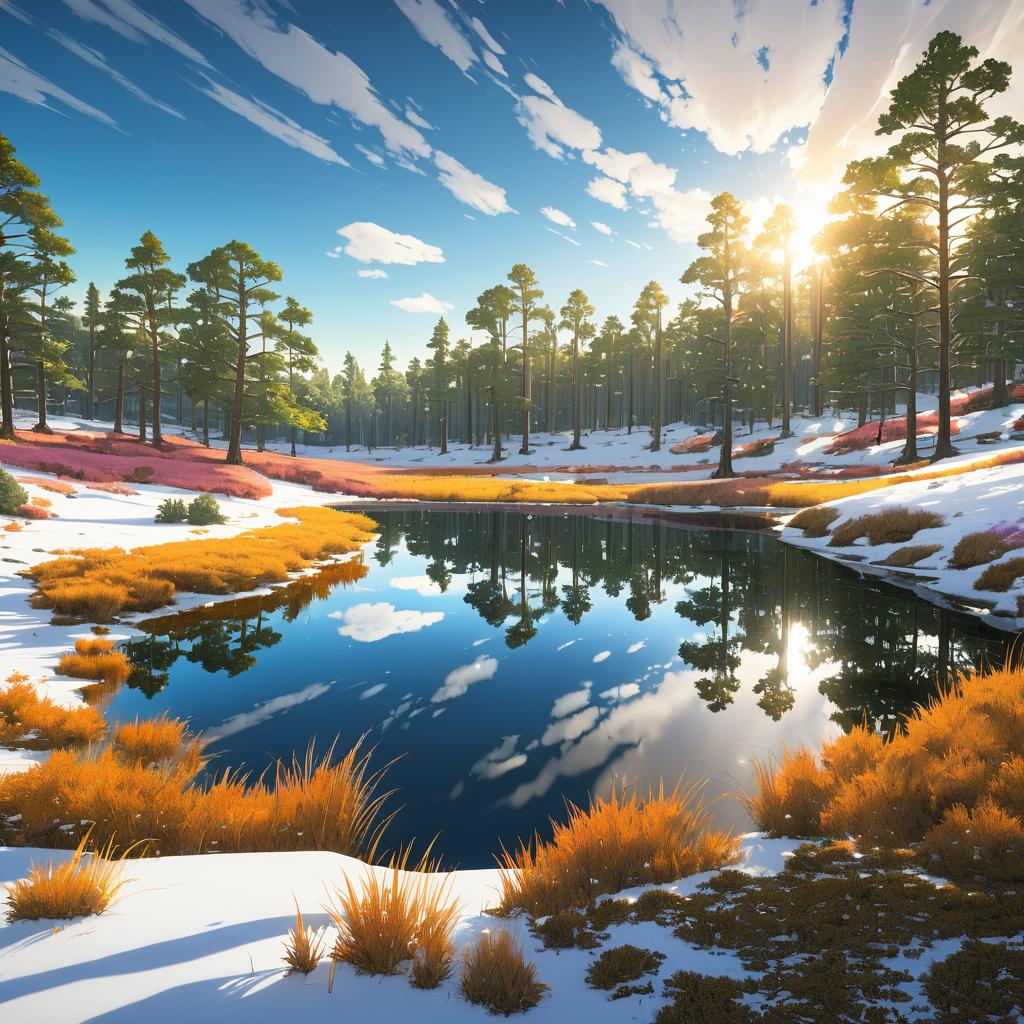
{"x":618,"y":842}
{"x":303,"y":948}
{"x":394,"y":914}
{"x":911,"y":554}
{"x":54,"y":486}
{"x":978,"y":548}
{"x":101,"y":582}
{"x":495,"y":975}
{"x":315,"y":804}
{"x":1000,"y":576}
{"x":35,"y":722}
{"x":893,"y":525}
{"x":951,"y":780}
{"x":73,"y":888}
{"x":157,"y":741}
{"x":814,"y":521}
{"x":95,"y":658}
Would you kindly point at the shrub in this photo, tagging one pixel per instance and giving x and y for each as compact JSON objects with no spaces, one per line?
{"x":893,"y":525}
{"x":303,"y":948}
{"x":618,"y":842}
{"x":701,"y":998}
{"x":31,"y":511}
{"x":565,"y":930}
{"x":985,"y":841}
{"x":814,"y":521}
{"x":12,"y":494}
{"x":140,"y":475}
{"x":789,"y":797}
{"x":909,"y":555}
{"x":56,"y":486}
{"x":14,"y":527}
{"x":311,"y":805}
{"x":495,"y":975}
{"x":40,"y":502}
{"x":157,"y":741}
{"x":1000,"y":576}
{"x":74,"y":888}
{"x":622,"y":964}
{"x":89,"y":598}
{"x":30,"y":720}
{"x":981,"y":981}
{"x":203,"y":510}
{"x":386,"y":918}
{"x":985,"y":546}
{"x":171,"y":510}
{"x":95,"y":658}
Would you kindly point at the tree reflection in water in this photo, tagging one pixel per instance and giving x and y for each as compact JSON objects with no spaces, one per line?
{"x":735,"y":591}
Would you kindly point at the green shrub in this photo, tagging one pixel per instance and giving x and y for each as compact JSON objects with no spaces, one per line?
{"x":204,"y":510}
{"x":139,"y":475}
{"x":172,"y":510}
{"x":12,"y":494}
{"x":615,"y":967}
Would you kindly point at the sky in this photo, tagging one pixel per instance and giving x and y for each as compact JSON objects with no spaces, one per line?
{"x":397,"y":157}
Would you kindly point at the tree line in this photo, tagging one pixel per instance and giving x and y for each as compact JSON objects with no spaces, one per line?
{"x":919,"y":281}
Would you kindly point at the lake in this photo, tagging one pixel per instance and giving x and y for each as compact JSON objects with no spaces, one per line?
{"x":511,"y":662}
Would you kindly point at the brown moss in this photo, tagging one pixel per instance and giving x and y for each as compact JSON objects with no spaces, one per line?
{"x":981,"y":981}
{"x":893,"y":525}
{"x":909,"y":555}
{"x":814,"y":521}
{"x":1000,"y":576}
{"x":622,"y":964}
{"x":978,"y":548}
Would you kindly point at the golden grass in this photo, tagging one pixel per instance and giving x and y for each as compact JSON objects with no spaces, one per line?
{"x":99,"y":583}
{"x":909,"y":555}
{"x":14,"y":527}
{"x":815,"y":522}
{"x":1000,"y":576}
{"x":617,"y":842}
{"x":392,"y":915}
{"x":157,"y":741}
{"x":952,"y":779}
{"x":303,"y":948}
{"x":30,"y":720}
{"x":79,"y":887}
{"x":893,"y":525}
{"x":495,"y":975}
{"x":95,"y":658}
{"x":978,"y":548}
{"x":314,"y":804}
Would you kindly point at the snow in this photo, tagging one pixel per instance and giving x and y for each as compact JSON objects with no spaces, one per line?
{"x":200,"y":938}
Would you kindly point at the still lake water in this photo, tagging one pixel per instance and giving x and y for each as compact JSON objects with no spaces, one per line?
{"x":513,"y":661}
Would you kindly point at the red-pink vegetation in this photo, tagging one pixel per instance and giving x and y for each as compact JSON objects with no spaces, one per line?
{"x":33,"y":511}
{"x":951,"y":781}
{"x":693,"y":445}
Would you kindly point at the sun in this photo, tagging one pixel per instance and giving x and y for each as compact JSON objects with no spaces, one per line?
{"x":810,"y":210}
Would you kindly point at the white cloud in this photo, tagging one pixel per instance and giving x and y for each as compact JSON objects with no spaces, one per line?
{"x":97,"y":60}
{"x":644,"y":176}
{"x":603,"y":228}
{"x":128,"y":20}
{"x":460,"y":679}
{"x":372,"y":691}
{"x":417,"y":119}
{"x":21,"y":81}
{"x":602,"y":656}
{"x":499,"y":761}
{"x":469,"y":187}
{"x":422,"y":585}
{"x":435,"y":26}
{"x":629,"y":241}
{"x":638,"y":646}
{"x":744,"y":74}
{"x":371,"y":243}
{"x":373,"y":275}
{"x":570,"y":702}
{"x":570,"y":240}
{"x":273,"y":122}
{"x":368,"y":623}
{"x":551,"y":125}
{"x":619,"y":693}
{"x":481,"y":30}
{"x":375,"y":158}
{"x":325,"y":76}
{"x":423,"y":303}
{"x":571,"y":728}
{"x":609,"y":191}
{"x":494,"y":64}
{"x":558,"y":217}
{"x":598,"y":263}
{"x":264,"y":711}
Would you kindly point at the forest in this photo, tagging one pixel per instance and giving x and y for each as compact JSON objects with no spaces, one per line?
{"x":915,"y":284}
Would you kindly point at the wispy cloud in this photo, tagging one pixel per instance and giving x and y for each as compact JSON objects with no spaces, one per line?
{"x":20,"y":80}
{"x":264,"y":711}
{"x":423,"y":303}
{"x":469,"y":187}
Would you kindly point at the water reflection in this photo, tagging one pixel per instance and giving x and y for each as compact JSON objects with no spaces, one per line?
{"x":517,"y":660}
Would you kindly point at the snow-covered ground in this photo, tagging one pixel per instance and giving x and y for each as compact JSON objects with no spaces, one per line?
{"x":969,"y":503}
{"x":200,"y":939}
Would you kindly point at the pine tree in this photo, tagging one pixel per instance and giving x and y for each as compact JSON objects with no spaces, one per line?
{"x":299,"y":349}
{"x":440,"y":380}
{"x":93,"y":320}
{"x":576,"y":314}
{"x":526,"y":305}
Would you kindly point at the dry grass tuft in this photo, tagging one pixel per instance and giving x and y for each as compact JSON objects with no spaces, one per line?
{"x":1000,"y":576}
{"x":909,"y":555}
{"x":618,"y":842}
{"x":495,"y":975}
{"x":78,"y":887}
{"x":157,"y":741}
{"x":894,"y":525}
{"x":303,"y":948}
{"x":979,"y":548}
{"x":814,"y":521}
{"x":95,"y":658}
{"x":36,"y":722}
{"x":396,"y":914}
{"x":101,"y":582}
{"x":314,"y":804}
{"x":951,"y":780}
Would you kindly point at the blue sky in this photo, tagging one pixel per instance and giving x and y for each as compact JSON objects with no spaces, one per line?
{"x":447,"y":139}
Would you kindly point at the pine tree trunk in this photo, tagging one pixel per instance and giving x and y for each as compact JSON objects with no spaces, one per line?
{"x":725,"y":456}
{"x":91,"y":379}
{"x":656,"y":383}
{"x":261,"y":437}
{"x":119,"y":400}
{"x":910,"y":446}
{"x":6,"y":386}
{"x":157,"y":392}
{"x":575,"y":446}
{"x":42,"y":427}
{"x":234,"y":455}
{"x":206,"y":422}
{"x":142,"y":415}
